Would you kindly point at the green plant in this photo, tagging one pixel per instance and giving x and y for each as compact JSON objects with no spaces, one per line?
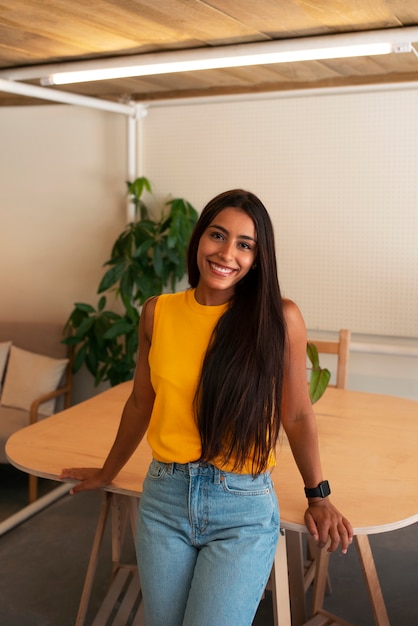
{"x":319,"y":377}
{"x":148,"y":257}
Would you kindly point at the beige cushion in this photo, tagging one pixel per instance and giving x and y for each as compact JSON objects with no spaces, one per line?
{"x":28,"y":376}
{"x":4,"y":353}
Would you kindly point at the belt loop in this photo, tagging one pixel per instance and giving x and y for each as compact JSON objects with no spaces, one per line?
{"x":216,"y":476}
{"x":169,"y":468}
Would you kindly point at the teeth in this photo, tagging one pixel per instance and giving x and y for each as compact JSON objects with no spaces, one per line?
{"x":223,"y":270}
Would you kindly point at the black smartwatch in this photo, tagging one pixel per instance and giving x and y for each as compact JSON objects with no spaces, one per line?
{"x":322,"y":491}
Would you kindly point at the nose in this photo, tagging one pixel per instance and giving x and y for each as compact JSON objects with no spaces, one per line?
{"x":226,"y":253}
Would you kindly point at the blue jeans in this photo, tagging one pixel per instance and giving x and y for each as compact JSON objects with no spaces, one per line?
{"x":206,"y":541}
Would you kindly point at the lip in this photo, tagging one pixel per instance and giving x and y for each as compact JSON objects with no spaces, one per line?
{"x":221,"y":270}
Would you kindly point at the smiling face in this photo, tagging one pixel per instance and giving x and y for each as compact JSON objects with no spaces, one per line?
{"x":226,"y":252}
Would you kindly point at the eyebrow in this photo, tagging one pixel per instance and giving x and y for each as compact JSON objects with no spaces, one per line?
{"x":247,"y":237}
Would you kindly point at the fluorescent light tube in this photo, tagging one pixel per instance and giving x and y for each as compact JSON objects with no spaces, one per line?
{"x":213,"y":58}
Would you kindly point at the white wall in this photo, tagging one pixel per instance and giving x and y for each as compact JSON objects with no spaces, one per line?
{"x":338,"y":176}
{"x":62,"y":202}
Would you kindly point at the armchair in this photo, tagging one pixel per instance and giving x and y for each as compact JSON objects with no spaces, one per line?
{"x":35,"y":378}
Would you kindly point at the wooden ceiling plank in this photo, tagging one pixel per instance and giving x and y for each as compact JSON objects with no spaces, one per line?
{"x":132,"y":20}
{"x":64,"y":29}
{"x":406,"y":11}
{"x":61,"y":28}
{"x":110,"y":31}
{"x":117,"y":91}
{"x":279,"y":87}
{"x":276,"y":19}
{"x":197,"y":19}
{"x":346,"y":16}
{"x":390,"y":63}
{"x":369,"y":66}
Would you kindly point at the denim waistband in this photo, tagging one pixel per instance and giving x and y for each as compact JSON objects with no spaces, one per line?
{"x":195,"y":469}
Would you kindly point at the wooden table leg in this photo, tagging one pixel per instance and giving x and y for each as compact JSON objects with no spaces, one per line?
{"x":124,"y":508}
{"x":133,"y":514}
{"x":94,"y":556}
{"x":296,"y":577}
{"x":118,"y":529}
{"x":372,"y":583}
{"x":279,"y":585}
{"x":320,"y":581}
{"x":120,"y":507}
{"x":373,"y":586}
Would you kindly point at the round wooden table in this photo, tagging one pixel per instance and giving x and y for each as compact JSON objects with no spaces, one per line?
{"x":368,"y":450}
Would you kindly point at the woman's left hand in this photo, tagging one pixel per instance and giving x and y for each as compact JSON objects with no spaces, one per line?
{"x":325,"y":522}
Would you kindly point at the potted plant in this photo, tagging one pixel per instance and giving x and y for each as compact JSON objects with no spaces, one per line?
{"x":147,"y":257}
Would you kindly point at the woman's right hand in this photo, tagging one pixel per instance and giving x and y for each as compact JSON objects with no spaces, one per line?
{"x":89,"y":478}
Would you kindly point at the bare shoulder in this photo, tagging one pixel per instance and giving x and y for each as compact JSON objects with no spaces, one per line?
{"x":295,"y":323}
{"x":291,"y":312}
{"x":147,"y":317}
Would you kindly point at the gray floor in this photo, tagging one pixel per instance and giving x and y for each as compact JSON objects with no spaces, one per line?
{"x":43,"y":562}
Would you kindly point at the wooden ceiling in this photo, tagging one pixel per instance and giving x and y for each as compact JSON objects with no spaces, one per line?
{"x":38,"y":32}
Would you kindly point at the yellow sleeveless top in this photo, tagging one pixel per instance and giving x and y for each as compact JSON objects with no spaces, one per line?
{"x":181,"y":333}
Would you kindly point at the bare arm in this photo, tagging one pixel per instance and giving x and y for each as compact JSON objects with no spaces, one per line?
{"x":135,"y":416}
{"x":322,"y":519}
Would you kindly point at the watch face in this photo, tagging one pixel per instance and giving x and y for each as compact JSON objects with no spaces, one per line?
{"x":324,"y":488}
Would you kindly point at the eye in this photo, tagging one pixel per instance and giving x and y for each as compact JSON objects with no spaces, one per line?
{"x":216,"y":235}
{"x":245,"y":245}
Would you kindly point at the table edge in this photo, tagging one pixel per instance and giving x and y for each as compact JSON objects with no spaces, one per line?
{"x":291,"y":526}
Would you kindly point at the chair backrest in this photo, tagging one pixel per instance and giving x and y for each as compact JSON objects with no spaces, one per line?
{"x":341,"y":348}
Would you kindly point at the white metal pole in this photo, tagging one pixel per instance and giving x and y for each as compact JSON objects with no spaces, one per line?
{"x":43,"y":93}
{"x":35,"y":507}
{"x":135,"y":157}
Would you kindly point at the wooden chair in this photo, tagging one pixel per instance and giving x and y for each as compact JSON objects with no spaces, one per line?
{"x":341,"y":349}
{"x":42,"y":338}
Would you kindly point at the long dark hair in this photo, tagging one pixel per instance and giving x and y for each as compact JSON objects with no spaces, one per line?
{"x":238,"y":397}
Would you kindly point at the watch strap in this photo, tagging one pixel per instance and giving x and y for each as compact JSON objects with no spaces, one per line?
{"x":321,"y":491}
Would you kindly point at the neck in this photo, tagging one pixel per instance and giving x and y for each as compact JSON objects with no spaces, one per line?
{"x":209,"y":297}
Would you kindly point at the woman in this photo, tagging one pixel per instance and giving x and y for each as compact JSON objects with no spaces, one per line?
{"x":220,"y":368}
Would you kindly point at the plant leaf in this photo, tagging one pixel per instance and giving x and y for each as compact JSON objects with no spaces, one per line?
{"x":111,"y":277}
{"x":312,"y":352}
{"x":122,"y":327}
{"x":87,"y":308}
{"x":318,"y":383}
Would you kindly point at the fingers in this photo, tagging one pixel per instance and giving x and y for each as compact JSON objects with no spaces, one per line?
{"x":336,"y":534}
{"x":341,"y":533}
{"x":81,"y":486}
{"x":311,"y":525}
{"x":346,"y":535}
{"x":329,"y":527}
{"x":88,"y":478}
{"x":72,"y":472}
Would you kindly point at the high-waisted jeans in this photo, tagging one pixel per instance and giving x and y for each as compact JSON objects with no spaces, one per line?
{"x":205,"y":544}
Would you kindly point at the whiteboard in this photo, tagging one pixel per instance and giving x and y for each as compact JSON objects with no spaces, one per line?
{"x":339,"y":176}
